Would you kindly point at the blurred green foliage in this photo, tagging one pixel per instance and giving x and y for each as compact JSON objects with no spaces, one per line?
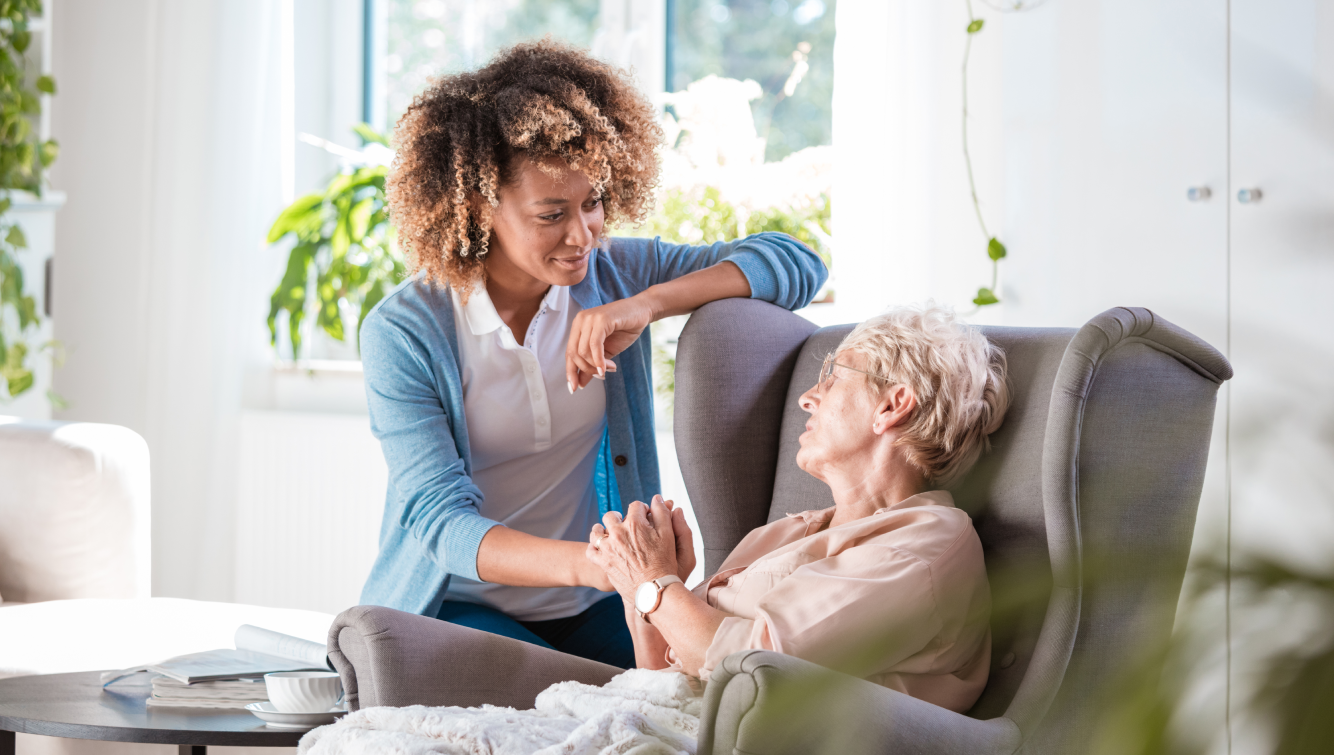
{"x":24,"y":157}
{"x":343,"y":257}
{"x":704,"y":217}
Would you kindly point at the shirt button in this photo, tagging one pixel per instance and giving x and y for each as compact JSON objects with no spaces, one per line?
{"x":620,"y":461}
{"x":541,"y":421}
{"x":531,"y":368}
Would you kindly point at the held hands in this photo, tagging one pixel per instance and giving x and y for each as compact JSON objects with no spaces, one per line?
{"x":652,"y":541}
{"x":600,"y":333}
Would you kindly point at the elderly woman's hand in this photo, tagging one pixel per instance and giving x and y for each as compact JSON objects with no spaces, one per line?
{"x":642,"y":547}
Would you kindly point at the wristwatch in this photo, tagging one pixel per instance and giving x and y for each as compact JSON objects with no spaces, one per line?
{"x":649,"y":594}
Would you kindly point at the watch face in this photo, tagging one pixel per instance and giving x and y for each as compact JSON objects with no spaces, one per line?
{"x":646,"y":597}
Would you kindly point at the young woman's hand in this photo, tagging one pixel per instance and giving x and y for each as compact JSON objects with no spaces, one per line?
{"x":685,"y":542}
{"x":600,"y":333}
{"x":640,"y":548}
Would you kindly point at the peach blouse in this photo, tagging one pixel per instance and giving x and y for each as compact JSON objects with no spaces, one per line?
{"x":899,"y":598}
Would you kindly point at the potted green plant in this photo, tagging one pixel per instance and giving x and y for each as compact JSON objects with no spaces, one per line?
{"x":343,"y":257}
{"x":24,"y":157}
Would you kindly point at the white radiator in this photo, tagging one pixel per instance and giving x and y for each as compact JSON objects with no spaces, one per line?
{"x":311,"y":491}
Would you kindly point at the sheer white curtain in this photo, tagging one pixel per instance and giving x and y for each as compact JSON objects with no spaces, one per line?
{"x":903,"y":223}
{"x":170,"y":118}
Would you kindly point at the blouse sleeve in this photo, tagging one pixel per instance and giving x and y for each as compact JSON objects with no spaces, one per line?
{"x":435,"y":499}
{"x":861,"y":611}
{"x":780,"y":269}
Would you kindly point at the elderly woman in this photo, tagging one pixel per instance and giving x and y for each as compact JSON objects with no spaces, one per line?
{"x":889,"y":584}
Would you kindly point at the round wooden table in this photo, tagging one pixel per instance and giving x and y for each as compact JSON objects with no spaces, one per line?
{"x":76,"y":706}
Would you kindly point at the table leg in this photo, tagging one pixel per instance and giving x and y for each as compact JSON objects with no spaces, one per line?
{"x":7,"y":746}
{"x":186,"y":750}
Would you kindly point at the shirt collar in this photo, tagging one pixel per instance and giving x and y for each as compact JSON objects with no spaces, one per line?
{"x":929,"y":498}
{"x":481,"y":314}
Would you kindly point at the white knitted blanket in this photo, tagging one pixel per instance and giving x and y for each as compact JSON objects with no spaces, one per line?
{"x":641,"y":712}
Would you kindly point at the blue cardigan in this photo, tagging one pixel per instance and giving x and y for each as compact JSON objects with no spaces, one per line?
{"x":431,"y":526}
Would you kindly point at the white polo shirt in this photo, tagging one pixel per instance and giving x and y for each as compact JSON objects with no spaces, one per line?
{"x":534,"y":446}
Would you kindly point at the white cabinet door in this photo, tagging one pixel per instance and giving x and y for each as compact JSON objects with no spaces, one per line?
{"x":1113,"y":111}
{"x":1282,"y":429}
{"x":1283,"y":278}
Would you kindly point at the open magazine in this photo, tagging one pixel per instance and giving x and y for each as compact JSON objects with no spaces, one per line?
{"x":258,"y":652}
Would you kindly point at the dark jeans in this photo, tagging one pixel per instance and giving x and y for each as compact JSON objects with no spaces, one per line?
{"x":598,"y":634}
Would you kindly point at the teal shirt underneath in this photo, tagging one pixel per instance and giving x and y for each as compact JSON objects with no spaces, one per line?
{"x":431,"y":527}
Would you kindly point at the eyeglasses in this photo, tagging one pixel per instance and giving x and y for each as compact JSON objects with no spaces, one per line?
{"x":827,"y":372}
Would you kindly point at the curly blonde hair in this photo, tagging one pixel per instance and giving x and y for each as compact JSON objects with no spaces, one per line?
{"x":958,"y":376}
{"x":458,"y":143}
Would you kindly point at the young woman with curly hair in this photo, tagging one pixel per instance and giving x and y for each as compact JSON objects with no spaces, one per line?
{"x":503,"y":449}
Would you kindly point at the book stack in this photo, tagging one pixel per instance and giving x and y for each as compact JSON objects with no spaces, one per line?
{"x":227,"y":678}
{"x":233,"y":694}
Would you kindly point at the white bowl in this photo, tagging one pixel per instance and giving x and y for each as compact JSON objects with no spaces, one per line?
{"x":303,"y":691}
{"x":270,"y":715}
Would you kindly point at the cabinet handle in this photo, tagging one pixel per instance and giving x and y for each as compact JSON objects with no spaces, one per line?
{"x":1249,"y":196}
{"x":1198,"y":193}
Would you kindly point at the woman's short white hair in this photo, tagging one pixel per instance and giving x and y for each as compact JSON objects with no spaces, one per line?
{"x":957,"y":375}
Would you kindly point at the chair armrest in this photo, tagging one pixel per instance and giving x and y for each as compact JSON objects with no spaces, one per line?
{"x":768,"y":703}
{"x":389,"y":657}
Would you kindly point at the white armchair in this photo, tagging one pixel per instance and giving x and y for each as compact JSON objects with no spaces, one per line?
{"x":75,"y":557}
{"x":74,"y":511}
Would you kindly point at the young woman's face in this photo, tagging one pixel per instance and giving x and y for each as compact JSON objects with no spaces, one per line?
{"x":546,"y":227}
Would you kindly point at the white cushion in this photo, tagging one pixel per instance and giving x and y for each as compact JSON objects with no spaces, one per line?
{"x":97,"y":634}
{"x":75,"y":507}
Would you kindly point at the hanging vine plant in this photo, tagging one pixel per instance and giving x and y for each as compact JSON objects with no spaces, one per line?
{"x":24,"y":158}
{"x":996,"y":250}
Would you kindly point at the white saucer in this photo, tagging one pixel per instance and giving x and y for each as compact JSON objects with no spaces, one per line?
{"x":270,"y":715}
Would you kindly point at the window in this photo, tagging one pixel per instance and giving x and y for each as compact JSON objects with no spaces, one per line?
{"x":786,"y":46}
{"x":426,"y":38}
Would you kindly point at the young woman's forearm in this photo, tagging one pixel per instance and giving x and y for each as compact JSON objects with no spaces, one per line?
{"x":510,"y":557}
{"x":690,"y":292}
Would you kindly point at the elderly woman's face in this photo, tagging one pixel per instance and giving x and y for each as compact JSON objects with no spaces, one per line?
{"x":840,"y":428}
{"x":546,"y":226}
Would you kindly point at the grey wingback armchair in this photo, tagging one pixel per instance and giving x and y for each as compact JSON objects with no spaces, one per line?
{"x":1085,"y":508}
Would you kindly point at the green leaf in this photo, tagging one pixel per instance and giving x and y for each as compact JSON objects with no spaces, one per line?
{"x":975,"y":26}
{"x":373,"y":297}
{"x":359,"y":218}
{"x":295,"y":215}
{"x":57,"y":401}
{"x":19,"y":381}
{"x":985,"y":297}
{"x":369,"y":134}
{"x":46,"y":84}
{"x":17,"y":377}
{"x":290,"y":296}
{"x":341,"y":239}
{"x":29,"y":102}
{"x":20,"y":41}
{"x":330,"y":319}
{"x":48,"y":152}
{"x":4,"y":205}
{"x":995,"y":249}
{"x":27,"y":312}
{"x":16,"y":237}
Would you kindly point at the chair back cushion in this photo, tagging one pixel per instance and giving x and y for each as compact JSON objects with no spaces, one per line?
{"x":734,"y":364}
